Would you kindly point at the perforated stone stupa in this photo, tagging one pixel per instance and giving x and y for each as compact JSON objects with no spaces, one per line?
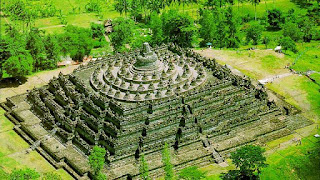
{"x":133,"y":103}
{"x":147,"y":77}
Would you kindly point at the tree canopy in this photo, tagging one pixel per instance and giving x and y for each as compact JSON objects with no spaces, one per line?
{"x":97,"y":159}
{"x":249,"y":160}
{"x":254,"y":32}
{"x":144,"y":170}
{"x":77,"y":42}
{"x":24,"y":174}
{"x":122,"y":34}
{"x":166,"y":160}
{"x":178,"y":28}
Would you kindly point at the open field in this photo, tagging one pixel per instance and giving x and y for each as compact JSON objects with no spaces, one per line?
{"x":287,"y":161}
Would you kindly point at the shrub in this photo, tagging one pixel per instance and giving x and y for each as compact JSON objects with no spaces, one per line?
{"x":275,"y":18}
{"x":254,"y":32}
{"x":288,"y":44}
{"x":191,"y":173}
{"x":123,"y":32}
{"x":24,"y":174}
{"x":77,"y":42}
{"x":178,"y":28}
{"x":292,"y":30}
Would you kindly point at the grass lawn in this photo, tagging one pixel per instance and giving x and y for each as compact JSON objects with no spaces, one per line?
{"x":47,"y":22}
{"x":283,"y":5}
{"x":13,"y":152}
{"x":257,"y":64}
{"x":295,"y":162}
{"x":308,"y":57}
{"x":299,"y":91}
{"x":316,"y":77}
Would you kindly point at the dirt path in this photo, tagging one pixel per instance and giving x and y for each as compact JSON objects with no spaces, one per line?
{"x":48,"y":27}
{"x":271,"y":79}
{"x":35,"y":80}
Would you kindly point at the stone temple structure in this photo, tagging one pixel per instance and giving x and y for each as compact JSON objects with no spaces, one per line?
{"x":134,"y":103}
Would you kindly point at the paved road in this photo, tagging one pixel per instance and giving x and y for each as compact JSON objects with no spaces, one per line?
{"x":36,"y":80}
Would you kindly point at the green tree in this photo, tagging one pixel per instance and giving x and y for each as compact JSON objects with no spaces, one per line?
{"x":255,"y":3}
{"x":138,"y":39}
{"x":249,"y":159}
{"x":314,"y":13}
{"x":254,"y":32}
{"x":51,"y":44}
{"x":155,"y":6}
{"x":144,"y":171}
{"x":221,"y":29}
{"x":288,"y":44}
{"x":166,"y":159}
{"x":98,"y":34}
{"x":19,"y":10}
{"x":291,"y":16}
{"x":93,"y":6}
{"x":210,"y":3}
{"x":191,"y":173}
{"x":4,"y":52}
{"x":292,"y":30}
{"x":156,"y":27}
{"x":47,"y":9}
{"x":18,"y":65}
{"x":122,"y":6}
{"x":208,"y":27}
{"x":136,"y":10}
{"x":97,"y":160}
{"x":24,"y":174}
{"x":233,"y":25}
{"x":36,"y":47}
{"x":266,"y":40}
{"x":231,"y":175}
{"x":307,"y":28}
{"x":77,"y":42}
{"x":97,"y":30}
{"x":123,"y":31}
{"x":178,"y":28}
{"x":15,"y":59}
{"x":275,"y":18}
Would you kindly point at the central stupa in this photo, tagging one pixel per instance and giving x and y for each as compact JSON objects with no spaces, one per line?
{"x":147,"y":77}
{"x":148,"y":59}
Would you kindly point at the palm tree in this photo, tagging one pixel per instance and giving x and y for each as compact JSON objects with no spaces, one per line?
{"x":255,"y":2}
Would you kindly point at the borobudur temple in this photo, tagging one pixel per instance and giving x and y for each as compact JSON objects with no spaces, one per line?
{"x":133,"y":103}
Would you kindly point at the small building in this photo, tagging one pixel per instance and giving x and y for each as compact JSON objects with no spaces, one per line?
{"x":278,"y":49}
{"x":209,"y":44}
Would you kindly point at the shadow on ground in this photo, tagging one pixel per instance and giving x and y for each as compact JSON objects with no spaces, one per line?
{"x":12,"y":82}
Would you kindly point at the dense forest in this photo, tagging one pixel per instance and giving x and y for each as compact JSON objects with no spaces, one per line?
{"x":25,"y":48}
